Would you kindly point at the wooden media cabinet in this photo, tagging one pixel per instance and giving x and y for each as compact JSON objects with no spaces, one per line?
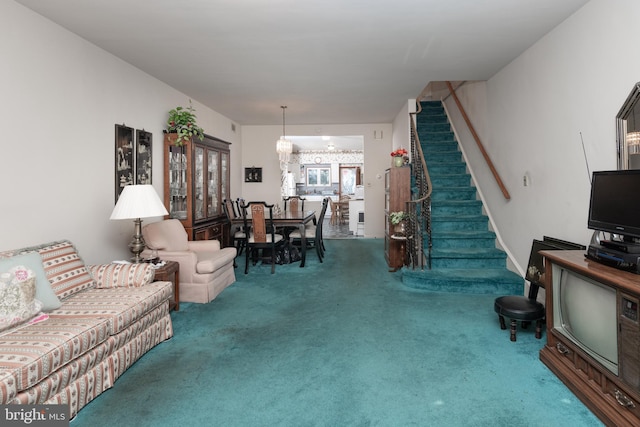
{"x":613,"y":397}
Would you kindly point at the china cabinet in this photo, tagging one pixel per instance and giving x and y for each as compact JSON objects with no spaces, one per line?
{"x":196,"y":181}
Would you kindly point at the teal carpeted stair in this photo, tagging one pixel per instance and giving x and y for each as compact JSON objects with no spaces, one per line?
{"x":464,"y":255}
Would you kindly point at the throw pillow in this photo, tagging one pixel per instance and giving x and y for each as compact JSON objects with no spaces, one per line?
{"x":18,"y":302}
{"x":122,"y":275}
{"x":33,"y":262}
{"x":65,"y":269}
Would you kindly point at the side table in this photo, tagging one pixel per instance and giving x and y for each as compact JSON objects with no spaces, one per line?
{"x":403,"y":248}
{"x":170,"y":272}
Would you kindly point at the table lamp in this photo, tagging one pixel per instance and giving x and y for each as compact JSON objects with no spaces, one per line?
{"x":136,"y":202}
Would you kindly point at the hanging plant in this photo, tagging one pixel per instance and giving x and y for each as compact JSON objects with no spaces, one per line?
{"x":183,"y":122}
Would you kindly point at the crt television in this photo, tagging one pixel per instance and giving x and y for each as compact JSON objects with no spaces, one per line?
{"x":615,"y":203}
{"x":584,"y":311}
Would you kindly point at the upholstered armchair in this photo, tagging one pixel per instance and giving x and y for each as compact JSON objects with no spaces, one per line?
{"x":205,"y":268}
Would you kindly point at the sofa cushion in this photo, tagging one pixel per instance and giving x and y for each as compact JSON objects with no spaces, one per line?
{"x":168,"y":235}
{"x":65,"y":269}
{"x":120,"y":307}
{"x":32,"y":352}
{"x":18,"y":301}
{"x":33,"y":261}
{"x":63,"y":266}
{"x":221,"y":258}
{"x":121,"y":275}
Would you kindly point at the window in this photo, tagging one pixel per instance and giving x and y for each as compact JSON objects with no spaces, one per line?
{"x":318,"y":176}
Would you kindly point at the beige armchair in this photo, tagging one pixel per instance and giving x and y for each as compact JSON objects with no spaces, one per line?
{"x":205,"y":268}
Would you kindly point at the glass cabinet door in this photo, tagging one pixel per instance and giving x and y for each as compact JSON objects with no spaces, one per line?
{"x":224,"y":175}
{"x":177,"y":182}
{"x":628,"y":131}
{"x":198,"y":183}
{"x":213,"y":192}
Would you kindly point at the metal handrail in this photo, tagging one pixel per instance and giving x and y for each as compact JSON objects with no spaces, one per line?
{"x":419,"y":209}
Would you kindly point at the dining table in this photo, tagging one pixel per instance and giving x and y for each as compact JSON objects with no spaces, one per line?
{"x":298,"y":218}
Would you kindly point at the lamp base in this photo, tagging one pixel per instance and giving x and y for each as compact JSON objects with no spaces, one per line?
{"x":137,"y":244}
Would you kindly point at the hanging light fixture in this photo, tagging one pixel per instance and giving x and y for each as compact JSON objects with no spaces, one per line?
{"x":633,"y":142}
{"x":283,"y":145}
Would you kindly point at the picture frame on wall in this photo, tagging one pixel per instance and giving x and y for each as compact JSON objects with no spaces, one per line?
{"x":252,"y":174}
{"x":124,"y":158}
{"x":144,"y":158}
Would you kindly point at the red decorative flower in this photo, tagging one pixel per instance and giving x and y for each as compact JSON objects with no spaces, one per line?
{"x":400,"y":152}
{"x":22,"y":275}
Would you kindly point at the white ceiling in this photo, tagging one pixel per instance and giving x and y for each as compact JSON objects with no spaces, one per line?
{"x":329,"y":61}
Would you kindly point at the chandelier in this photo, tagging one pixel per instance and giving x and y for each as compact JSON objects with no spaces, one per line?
{"x":283,"y":145}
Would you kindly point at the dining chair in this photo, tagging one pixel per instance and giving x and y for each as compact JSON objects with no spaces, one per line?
{"x":238,"y":236}
{"x":344,"y":209}
{"x":295,"y":203}
{"x":312,"y":233}
{"x":239,"y":203}
{"x":335,"y":213}
{"x":261,"y":233}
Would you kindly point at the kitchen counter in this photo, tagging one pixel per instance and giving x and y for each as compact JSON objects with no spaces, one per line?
{"x":318,"y":197}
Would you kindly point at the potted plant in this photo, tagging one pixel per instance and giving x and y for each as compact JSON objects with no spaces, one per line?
{"x":399,"y":156}
{"x":183,"y":122}
{"x":398,"y":220}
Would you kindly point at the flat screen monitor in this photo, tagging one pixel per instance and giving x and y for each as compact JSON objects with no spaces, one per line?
{"x":615,"y":203}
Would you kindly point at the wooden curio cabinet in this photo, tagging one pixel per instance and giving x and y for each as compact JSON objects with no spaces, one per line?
{"x":397,"y":182}
{"x":196,"y":181}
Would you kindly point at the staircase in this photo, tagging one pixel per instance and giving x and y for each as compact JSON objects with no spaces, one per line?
{"x":464,"y":257}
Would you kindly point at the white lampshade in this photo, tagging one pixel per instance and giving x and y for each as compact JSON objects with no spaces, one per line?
{"x":138,"y":201}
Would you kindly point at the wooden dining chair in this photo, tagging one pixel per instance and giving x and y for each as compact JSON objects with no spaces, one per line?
{"x":344,"y":209}
{"x":335,"y":212}
{"x":296,"y":203}
{"x":238,"y":236}
{"x":313,"y":233}
{"x":261,"y":233}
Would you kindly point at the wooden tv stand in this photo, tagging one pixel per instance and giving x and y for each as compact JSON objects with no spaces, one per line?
{"x":615,"y":399}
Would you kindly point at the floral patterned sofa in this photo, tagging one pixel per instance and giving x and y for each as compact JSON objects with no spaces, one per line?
{"x":68,"y":331}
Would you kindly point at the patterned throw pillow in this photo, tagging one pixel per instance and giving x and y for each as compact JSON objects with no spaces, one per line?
{"x":122,"y":275}
{"x":65,"y":269}
{"x":18,"y":301}
{"x":63,"y":266}
{"x":33,"y":262}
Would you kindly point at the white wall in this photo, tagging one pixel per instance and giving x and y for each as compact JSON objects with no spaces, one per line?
{"x":402,"y":127}
{"x":258,"y":149}
{"x":530,"y":116}
{"x":61,"y":97}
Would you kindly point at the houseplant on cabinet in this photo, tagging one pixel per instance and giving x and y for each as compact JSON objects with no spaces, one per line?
{"x":399,"y":156}
{"x":398,"y":219}
{"x":183,"y":122}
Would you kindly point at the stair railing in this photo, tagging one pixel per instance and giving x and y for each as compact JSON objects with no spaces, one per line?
{"x":419,"y":208}
{"x":487,"y":159}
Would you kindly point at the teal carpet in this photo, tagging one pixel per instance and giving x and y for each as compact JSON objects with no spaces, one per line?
{"x":343,"y":343}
